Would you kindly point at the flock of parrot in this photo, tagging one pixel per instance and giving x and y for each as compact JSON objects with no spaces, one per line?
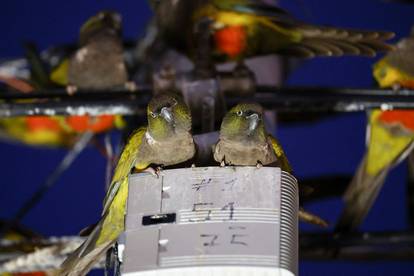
{"x":238,"y":29}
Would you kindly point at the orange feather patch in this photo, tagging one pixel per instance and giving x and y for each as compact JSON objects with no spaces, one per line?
{"x":42,"y":123}
{"x":408,"y":84}
{"x":88,"y":123}
{"x":231,"y":40}
{"x":404,"y":118}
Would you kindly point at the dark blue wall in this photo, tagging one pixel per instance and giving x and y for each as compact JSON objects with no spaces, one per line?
{"x":334,"y":145}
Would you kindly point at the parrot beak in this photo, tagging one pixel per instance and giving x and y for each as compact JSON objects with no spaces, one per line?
{"x":253,"y":121}
{"x":166,"y":114}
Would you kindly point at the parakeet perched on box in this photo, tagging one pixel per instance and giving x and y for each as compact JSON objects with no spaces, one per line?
{"x":167,"y":140}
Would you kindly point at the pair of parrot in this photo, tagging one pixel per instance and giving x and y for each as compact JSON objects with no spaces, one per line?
{"x":390,"y":137}
{"x":97,"y":64}
{"x":241,"y":29}
{"x":244,"y":28}
{"x":243,"y":140}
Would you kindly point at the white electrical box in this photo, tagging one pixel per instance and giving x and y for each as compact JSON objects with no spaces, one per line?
{"x":211,"y":221}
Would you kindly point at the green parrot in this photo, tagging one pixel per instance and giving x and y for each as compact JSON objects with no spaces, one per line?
{"x":51,"y":131}
{"x":245,"y":28}
{"x":169,"y":127}
{"x":98,"y":63}
{"x":390,"y":137}
{"x":243,"y":141}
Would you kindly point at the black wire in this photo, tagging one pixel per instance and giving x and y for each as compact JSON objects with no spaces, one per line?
{"x":285,"y":99}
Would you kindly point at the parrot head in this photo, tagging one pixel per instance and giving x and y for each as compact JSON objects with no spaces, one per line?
{"x":244,"y":122}
{"x":386,"y":75}
{"x":102,"y":21}
{"x":167,"y":115}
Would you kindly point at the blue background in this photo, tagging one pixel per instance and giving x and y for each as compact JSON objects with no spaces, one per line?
{"x":334,"y":145}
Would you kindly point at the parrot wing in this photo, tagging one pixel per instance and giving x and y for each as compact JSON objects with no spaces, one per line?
{"x":359,"y":197}
{"x":111,"y":224}
{"x":329,"y":41}
{"x":125,"y":164}
{"x":387,"y":147}
{"x":308,"y":40}
{"x":280,"y":154}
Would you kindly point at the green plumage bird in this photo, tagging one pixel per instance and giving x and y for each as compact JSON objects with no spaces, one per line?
{"x":166,"y":141}
{"x":244,"y":141}
{"x":98,"y":63}
{"x":245,"y":28}
{"x":390,"y":137}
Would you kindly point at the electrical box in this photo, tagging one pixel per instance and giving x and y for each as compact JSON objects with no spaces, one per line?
{"x":211,"y":221}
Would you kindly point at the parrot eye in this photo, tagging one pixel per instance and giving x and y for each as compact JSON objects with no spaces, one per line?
{"x":153,"y":115}
{"x":239,"y":113}
{"x":383,"y":72}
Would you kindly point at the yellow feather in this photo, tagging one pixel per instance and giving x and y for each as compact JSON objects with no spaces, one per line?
{"x":281,"y":156}
{"x":249,"y":21}
{"x":120,"y":122}
{"x":384,"y":146}
{"x":113,"y":224}
{"x":387,"y":75}
{"x":60,"y":74}
{"x":127,"y":161}
{"x":232,"y":18}
{"x":16,"y":129}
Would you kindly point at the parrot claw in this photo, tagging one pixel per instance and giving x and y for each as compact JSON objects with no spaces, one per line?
{"x":155,"y":172}
{"x":71,"y":89}
{"x":396,"y":87}
{"x":259,"y":165}
{"x":193,"y":165}
{"x":131,"y":86}
{"x":222,"y":163}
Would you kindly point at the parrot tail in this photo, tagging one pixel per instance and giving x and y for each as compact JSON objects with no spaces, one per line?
{"x":311,"y":218}
{"x":359,"y":197}
{"x":80,"y":261}
{"x":327,"y":41}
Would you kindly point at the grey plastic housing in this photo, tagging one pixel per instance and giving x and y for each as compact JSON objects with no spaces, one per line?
{"x":210,"y":221}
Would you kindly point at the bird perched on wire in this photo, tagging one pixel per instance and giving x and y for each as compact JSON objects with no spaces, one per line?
{"x":245,"y":28}
{"x":50,"y":131}
{"x":243,"y":141}
{"x":169,"y":127}
{"x":98,"y":63}
{"x":390,"y":137}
